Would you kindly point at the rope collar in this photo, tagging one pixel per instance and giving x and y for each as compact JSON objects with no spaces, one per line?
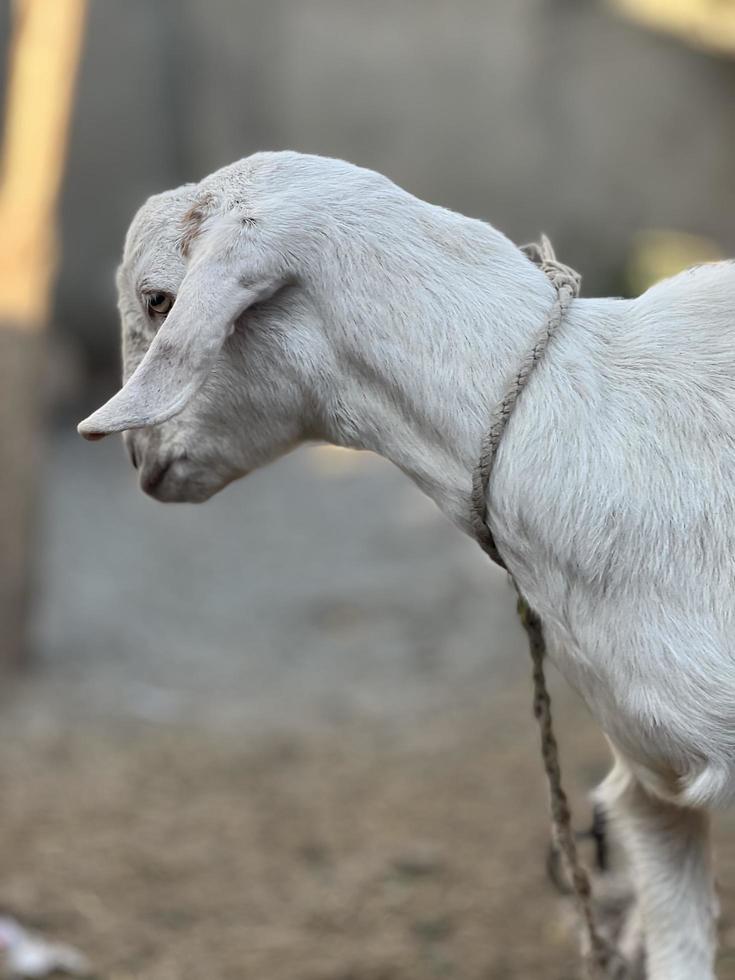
{"x":567,"y":283}
{"x":602,"y":960}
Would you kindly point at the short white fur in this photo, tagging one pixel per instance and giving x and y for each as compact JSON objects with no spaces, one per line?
{"x":317,"y":300}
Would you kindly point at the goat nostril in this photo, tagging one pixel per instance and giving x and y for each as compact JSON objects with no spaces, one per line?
{"x":133,"y":456}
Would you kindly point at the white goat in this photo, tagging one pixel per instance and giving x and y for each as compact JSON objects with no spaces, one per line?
{"x":317,"y":300}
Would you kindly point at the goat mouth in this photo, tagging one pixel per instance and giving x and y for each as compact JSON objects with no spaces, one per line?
{"x":176,"y":481}
{"x":152,"y":476}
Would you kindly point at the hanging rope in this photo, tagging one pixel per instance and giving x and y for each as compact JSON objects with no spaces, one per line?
{"x":601,"y":958}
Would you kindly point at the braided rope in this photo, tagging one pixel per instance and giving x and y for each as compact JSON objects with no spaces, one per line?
{"x":566,"y":282}
{"x":601,"y":958}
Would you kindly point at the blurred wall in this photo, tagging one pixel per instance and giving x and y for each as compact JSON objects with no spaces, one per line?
{"x":547,"y":115}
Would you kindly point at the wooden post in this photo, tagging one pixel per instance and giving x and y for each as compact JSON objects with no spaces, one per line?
{"x":42,"y":66}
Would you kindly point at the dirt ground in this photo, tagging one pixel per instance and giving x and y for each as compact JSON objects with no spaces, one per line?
{"x":285,"y":736}
{"x":354,"y":852}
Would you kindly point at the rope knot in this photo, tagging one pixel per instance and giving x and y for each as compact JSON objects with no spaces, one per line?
{"x":560,"y":276}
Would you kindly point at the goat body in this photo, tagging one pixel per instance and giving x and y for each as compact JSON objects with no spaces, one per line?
{"x":317,"y":300}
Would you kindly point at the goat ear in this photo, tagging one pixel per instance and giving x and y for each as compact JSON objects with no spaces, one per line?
{"x":182,"y":353}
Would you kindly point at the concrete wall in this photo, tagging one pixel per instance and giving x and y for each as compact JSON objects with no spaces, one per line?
{"x":537,"y":114}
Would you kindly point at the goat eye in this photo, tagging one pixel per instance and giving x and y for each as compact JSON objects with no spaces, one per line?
{"x":159,"y":304}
